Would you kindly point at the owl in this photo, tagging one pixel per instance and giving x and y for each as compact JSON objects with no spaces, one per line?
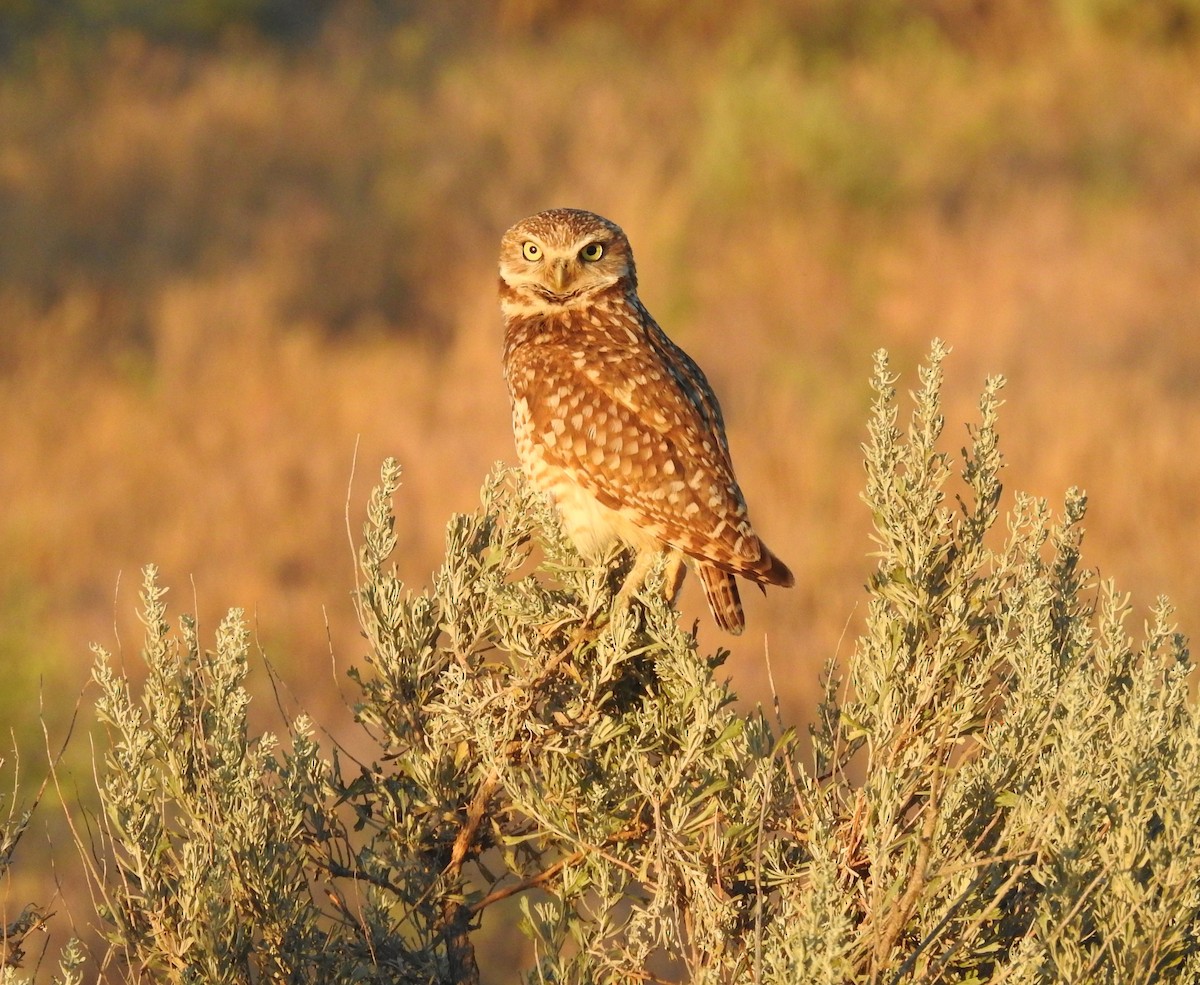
{"x":614,"y":420}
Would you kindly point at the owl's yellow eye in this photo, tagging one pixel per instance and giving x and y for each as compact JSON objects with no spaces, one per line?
{"x":592,"y":252}
{"x":531,"y":251}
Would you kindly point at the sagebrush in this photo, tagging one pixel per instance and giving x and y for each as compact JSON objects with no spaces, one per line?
{"x":1003,"y":786}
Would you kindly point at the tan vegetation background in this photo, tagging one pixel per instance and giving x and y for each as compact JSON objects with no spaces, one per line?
{"x":233,"y":262}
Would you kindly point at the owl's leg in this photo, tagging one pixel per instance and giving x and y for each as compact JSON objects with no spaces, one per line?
{"x":642,"y":563}
{"x":672,"y":576}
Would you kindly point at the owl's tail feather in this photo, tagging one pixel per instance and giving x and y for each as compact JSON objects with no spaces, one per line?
{"x":720,"y":588}
{"x":771,"y":571}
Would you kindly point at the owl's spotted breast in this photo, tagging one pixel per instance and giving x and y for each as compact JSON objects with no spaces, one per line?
{"x":616,"y":425}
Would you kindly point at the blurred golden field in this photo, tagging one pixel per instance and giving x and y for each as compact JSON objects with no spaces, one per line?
{"x":235,"y":276}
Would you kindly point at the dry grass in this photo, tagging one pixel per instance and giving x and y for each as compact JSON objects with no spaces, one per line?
{"x":221,"y":272}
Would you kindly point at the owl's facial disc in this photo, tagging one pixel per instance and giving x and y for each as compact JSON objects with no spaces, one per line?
{"x":560,"y":273}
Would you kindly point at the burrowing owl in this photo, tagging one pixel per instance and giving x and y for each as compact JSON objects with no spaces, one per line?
{"x":614,"y":420}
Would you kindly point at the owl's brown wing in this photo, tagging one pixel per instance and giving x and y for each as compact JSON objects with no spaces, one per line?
{"x":643,"y":434}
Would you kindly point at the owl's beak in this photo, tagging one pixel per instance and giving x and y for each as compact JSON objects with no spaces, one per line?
{"x":558,"y":275}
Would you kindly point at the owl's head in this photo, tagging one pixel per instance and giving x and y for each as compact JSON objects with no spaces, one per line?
{"x":565,"y":256}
